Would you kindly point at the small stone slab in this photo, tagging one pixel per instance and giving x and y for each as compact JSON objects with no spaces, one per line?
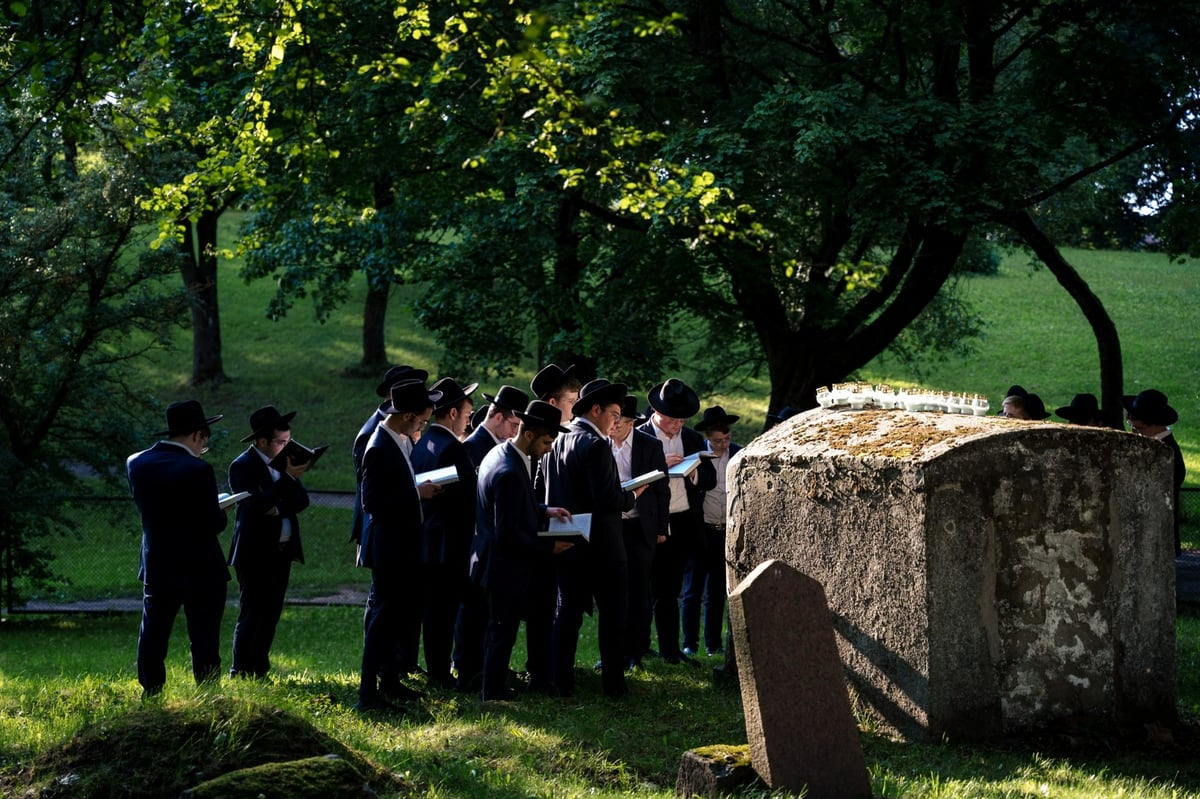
{"x":800,"y":728}
{"x":714,"y":771}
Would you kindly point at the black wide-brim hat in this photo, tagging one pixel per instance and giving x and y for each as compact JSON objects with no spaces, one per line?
{"x":187,"y":417}
{"x":783,"y":414}
{"x":510,"y":398}
{"x":1150,"y":406}
{"x":479,"y":416}
{"x":542,"y":414}
{"x":265,"y":421}
{"x":598,"y":392}
{"x":629,"y":409}
{"x":1016,"y":391}
{"x":715,"y":417}
{"x":410,"y":396}
{"x":452,"y":392}
{"x":1035,"y":407}
{"x":1083,"y":408}
{"x":395,"y":375}
{"x":674,"y":398}
{"x":550,"y":379}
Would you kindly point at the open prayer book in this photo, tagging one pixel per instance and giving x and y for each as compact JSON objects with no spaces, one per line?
{"x":642,"y":479}
{"x":580,"y":524}
{"x":227,"y":500}
{"x":689,"y":463}
{"x":442,"y":477}
{"x":297,"y":454}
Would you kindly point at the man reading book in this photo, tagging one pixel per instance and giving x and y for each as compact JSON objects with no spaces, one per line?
{"x":266,"y":536}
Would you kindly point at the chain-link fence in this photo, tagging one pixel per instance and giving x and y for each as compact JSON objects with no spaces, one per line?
{"x":96,"y":561}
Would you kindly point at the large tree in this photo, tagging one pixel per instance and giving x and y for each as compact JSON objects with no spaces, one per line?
{"x":801,"y":178}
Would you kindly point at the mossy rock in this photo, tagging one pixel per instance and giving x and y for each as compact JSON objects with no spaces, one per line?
{"x":327,"y":777}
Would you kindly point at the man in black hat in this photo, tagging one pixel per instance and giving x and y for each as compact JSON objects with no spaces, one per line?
{"x":581,"y":476}
{"x":392,"y":376}
{"x":645,"y":526}
{"x":391,"y":544}
{"x":1084,"y":409}
{"x":672,"y":403}
{"x":508,"y":550}
{"x":704,"y":577}
{"x":499,"y":425}
{"x":557,"y":386}
{"x":182,"y":565}
{"x":1150,"y":415}
{"x":266,"y":537}
{"x":448,"y":530}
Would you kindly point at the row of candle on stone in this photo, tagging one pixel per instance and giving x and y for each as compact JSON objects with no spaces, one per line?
{"x":858,"y":396}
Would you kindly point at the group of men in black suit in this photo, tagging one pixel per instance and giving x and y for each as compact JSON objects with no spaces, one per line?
{"x":456,"y":564}
{"x":482,"y":561}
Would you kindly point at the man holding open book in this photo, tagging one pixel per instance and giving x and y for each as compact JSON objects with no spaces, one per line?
{"x":266,"y":535}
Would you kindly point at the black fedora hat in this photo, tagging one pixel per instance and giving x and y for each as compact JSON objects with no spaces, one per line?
{"x":1016,"y":391}
{"x":478,"y":417}
{"x":1150,"y":406}
{"x":1035,"y":407}
{"x":265,"y":421}
{"x":510,"y":398}
{"x":1084,"y":408}
{"x":629,"y":409}
{"x":549,"y":379}
{"x":395,"y":375}
{"x":715,"y":416}
{"x":187,"y":417}
{"x":673,"y":398}
{"x":542,"y":414}
{"x":452,"y":392}
{"x":784,"y":413}
{"x":598,"y":392}
{"x":410,"y":396}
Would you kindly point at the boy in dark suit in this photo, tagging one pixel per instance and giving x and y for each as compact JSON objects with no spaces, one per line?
{"x":391,"y":543}
{"x":507,"y":520}
{"x":266,"y":537}
{"x":182,"y":565}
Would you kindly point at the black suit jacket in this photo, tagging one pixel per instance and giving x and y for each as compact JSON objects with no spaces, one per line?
{"x":479,"y":444}
{"x":450,"y":516}
{"x":706,"y":475}
{"x":581,"y":476}
{"x":176,"y":495}
{"x":653,"y":506}
{"x":360,"y":446}
{"x":256,"y":531}
{"x":507,"y":520}
{"x":392,"y":531}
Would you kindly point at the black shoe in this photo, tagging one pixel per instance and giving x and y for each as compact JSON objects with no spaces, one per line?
{"x":599,"y":665}
{"x":399,"y":692}
{"x":650,"y":654}
{"x":445,"y":681}
{"x":543,"y":687}
{"x":633,"y":664}
{"x":716,"y":652}
{"x":503,"y":695}
{"x":676,"y":660}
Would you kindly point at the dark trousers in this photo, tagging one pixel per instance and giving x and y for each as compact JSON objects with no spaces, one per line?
{"x":504,"y":620}
{"x":470,"y":631}
{"x":540,"y":607}
{"x":203,"y":606}
{"x":669,"y":560}
{"x":641,"y":558}
{"x":262,"y":589}
{"x":597,"y":570}
{"x":444,"y":590}
{"x":704,"y":589}
{"x":392,"y":615}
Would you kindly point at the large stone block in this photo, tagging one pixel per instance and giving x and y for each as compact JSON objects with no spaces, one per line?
{"x":984,"y":575}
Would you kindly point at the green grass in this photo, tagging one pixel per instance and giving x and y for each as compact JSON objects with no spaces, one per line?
{"x":62,"y":675}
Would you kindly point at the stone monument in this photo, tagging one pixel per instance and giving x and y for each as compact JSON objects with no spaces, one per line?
{"x":984,"y":575}
{"x":799,"y":724}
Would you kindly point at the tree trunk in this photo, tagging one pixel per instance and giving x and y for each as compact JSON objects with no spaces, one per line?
{"x":1108,"y":343}
{"x":374,"y":349}
{"x":199,"y":270}
{"x":567,"y":272}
